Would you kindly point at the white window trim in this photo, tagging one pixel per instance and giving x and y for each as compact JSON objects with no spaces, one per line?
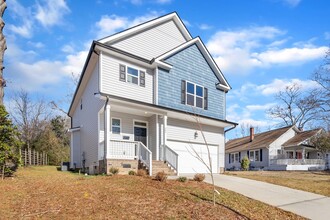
{"x":140,"y":126}
{"x":195,"y":95}
{"x":116,"y":126}
{"x":234,"y":156}
{"x":138,"y":77}
{"x":254,"y":155}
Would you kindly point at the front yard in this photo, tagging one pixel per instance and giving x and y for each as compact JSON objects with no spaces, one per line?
{"x":310,"y":181}
{"x":44,"y":192}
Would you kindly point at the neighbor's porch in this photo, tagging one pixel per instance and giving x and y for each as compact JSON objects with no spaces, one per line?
{"x":299,"y":158}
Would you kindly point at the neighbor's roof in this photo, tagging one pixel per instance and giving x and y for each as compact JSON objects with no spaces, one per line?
{"x":300,"y":138}
{"x":260,"y":140}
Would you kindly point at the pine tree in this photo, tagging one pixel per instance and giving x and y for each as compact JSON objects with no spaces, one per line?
{"x":9,"y":144}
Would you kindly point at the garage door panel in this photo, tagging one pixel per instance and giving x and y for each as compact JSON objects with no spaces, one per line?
{"x":188,"y":163}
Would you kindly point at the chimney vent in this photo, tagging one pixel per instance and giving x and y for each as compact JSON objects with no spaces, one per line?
{"x":251,"y":134}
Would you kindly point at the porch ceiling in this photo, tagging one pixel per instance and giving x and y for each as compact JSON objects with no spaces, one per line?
{"x":300,"y":147}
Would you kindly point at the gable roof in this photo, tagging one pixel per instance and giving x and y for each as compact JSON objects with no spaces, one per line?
{"x":301,"y":138}
{"x":223,"y":84}
{"x":260,"y":140}
{"x":147,"y":25}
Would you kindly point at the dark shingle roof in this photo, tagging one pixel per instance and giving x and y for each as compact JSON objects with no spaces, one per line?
{"x":300,"y":138}
{"x":260,"y":140}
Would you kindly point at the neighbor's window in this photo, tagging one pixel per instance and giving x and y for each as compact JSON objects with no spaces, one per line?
{"x":132,"y":75}
{"x":115,"y":126}
{"x":195,"y":95}
{"x":254,"y":155}
{"x":234,"y":157}
{"x":289,"y":154}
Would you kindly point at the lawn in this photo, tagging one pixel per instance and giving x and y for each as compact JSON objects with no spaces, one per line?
{"x":44,"y":192}
{"x":310,"y":181}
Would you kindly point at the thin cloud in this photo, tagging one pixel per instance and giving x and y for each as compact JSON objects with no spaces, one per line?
{"x":109,"y":24}
{"x":292,"y":3}
{"x":205,"y":27}
{"x":51,"y":12}
{"x":259,"y":47}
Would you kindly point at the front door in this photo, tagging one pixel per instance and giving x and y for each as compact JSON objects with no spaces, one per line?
{"x":140,"y":132}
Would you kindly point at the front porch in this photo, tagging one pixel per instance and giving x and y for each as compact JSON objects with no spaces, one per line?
{"x":300,"y":157}
{"x":132,"y":136}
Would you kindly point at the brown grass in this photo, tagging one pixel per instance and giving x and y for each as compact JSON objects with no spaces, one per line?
{"x":44,"y":192}
{"x":315,"y":182}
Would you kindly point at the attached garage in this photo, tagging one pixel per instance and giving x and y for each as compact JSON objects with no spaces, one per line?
{"x":188,"y":163}
{"x":184,"y":136}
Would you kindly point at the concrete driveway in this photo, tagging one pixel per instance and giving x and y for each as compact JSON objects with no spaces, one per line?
{"x":306,"y":204}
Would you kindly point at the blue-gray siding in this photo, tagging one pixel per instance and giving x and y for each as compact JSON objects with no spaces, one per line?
{"x":189,"y":64}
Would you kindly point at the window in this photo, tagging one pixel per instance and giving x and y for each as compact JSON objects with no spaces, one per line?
{"x":115,"y":125}
{"x":255,"y":155}
{"x":195,"y":95}
{"x":131,"y":75}
{"x":234,"y":157}
{"x":289,"y":154}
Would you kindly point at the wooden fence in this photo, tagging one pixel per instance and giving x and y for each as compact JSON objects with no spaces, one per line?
{"x":33,"y":157}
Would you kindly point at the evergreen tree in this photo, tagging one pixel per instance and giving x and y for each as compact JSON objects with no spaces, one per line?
{"x":9,"y":144}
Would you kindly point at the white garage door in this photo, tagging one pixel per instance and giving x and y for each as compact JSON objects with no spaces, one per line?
{"x":188,"y":163}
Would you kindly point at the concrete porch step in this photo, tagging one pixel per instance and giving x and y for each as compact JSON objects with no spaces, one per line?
{"x":159,"y":166}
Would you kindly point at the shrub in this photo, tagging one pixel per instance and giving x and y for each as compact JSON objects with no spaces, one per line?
{"x":199,"y":177}
{"x":141,"y":172}
{"x":245,"y":163}
{"x":114,"y":170}
{"x":182,"y":179}
{"x":131,"y":173}
{"x":161,"y":176}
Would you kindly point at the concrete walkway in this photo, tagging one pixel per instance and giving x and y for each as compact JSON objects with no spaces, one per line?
{"x":309,"y":205}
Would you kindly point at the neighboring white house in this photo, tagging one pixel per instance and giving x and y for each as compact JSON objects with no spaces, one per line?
{"x":285,"y":148}
{"x":138,"y":96}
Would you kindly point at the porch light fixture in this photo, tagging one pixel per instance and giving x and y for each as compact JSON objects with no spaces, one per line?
{"x":196,"y":135}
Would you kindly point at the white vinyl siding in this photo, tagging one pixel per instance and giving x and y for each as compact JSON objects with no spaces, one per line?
{"x":87,"y":119}
{"x":184,"y":131}
{"x":153,"y":42}
{"x":111,"y":83}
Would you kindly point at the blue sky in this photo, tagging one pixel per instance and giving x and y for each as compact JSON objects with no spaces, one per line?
{"x":261,"y":45}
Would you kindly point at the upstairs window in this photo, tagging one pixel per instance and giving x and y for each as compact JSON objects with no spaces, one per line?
{"x":195,"y":95}
{"x":131,"y":75}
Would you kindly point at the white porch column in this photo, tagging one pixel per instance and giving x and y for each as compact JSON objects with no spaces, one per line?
{"x":303,"y":153}
{"x":106,"y":130}
{"x":164,"y":129}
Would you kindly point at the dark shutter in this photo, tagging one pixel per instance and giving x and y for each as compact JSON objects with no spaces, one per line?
{"x":205,"y":99}
{"x":229,"y":157}
{"x":122,"y":72}
{"x":183,"y":92}
{"x":248,"y":154}
{"x":142,"y":79}
{"x":239,"y":156}
{"x":260,"y":154}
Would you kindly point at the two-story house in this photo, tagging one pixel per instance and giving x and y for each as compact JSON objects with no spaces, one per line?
{"x":138,"y":98}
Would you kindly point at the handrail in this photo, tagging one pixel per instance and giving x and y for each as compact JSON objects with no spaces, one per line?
{"x":145,"y":156}
{"x":171,"y":157}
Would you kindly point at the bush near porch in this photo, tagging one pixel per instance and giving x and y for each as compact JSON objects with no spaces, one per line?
{"x":44,"y":192}
{"x":310,"y":181}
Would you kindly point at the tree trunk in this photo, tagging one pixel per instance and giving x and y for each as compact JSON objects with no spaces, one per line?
{"x":3,"y":47}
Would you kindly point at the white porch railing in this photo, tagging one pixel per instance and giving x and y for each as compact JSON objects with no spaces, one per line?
{"x":297,"y":162}
{"x":127,"y":150}
{"x":170,"y":156}
{"x":145,"y":156}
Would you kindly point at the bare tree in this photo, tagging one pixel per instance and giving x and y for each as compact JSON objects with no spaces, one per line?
{"x":322,"y":77}
{"x":29,"y":117}
{"x":199,"y":156}
{"x":3,"y":47}
{"x":295,"y":107}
